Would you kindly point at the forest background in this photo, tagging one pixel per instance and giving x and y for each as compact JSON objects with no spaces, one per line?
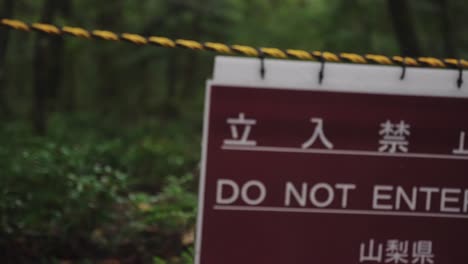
{"x":100,"y":141}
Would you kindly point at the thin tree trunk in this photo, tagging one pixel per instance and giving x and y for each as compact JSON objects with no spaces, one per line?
{"x":171,"y":76}
{"x":446,"y":29}
{"x":404,"y":27}
{"x":46,"y":61}
{"x":7,"y":11}
{"x":173,"y":80}
{"x":172,"y":84}
{"x":57,"y":47}
{"x":192,"y":62}
{"x":40,"y":84}
{"x":191,"y":66}
{"x":70,"y":96}
{"x":108,"y":83}
{"x":55,"y":73}
{"x":144,"y":92}
{"x":68,"y":92}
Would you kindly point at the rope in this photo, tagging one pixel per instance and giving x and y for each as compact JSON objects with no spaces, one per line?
{"x":234,"y":49}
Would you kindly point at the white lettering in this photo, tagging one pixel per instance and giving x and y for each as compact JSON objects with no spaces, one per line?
{"x":445,"y":199}
{"x":245,"y":192}
{"x":313,"y":195}
{"x":301,"y":198}
{"x":380,"y":196}
{"x":219,"y":191}
{"x":465,"y":203}
{"x":345,"y":187}
{"x":429,"y":191}
{"x":401,"y":195}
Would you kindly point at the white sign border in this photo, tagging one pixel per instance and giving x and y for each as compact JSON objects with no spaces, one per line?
{"x":338,"y":77}
{"x":201,"y":186}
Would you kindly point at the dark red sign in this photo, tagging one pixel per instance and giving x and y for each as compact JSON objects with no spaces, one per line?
{"x":295,"y":176}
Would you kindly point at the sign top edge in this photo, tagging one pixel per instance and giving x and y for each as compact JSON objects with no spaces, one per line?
{"x":338,"y":77}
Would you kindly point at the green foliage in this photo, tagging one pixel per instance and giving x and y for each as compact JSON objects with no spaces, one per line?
{"x":172,"y":149}
{"x":173,"y":209}
{"x":187,"y":257}
{"x":88,"y":182}
{"x":57,"y":188}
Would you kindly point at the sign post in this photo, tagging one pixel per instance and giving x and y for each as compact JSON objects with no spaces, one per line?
{"x":363,"y":168}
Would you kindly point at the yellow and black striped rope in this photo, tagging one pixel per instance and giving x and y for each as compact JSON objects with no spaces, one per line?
{"x":235,"y":49}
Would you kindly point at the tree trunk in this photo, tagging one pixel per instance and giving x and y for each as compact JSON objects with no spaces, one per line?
{"x":48,"y":58}
{"x":404,"y":27}
{"x":7,"y":11}
{"x":109,"y":85}
{"x":55,"y":73}
{"x":171,"y":76}
{"x":446,"y":29}
{"x":170,"y":109}
{"x":68,"y":95}
{"x":57,"y":47}
{"x":192,"y":62}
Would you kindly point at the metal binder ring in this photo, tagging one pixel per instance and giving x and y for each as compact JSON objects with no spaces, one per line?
{"x":460,"y":74}
{"x":403,"y":69}
{"x":261,"y":56}
{"x":322,"y":69}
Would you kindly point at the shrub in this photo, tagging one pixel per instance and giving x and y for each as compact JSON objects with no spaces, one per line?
{"x":88,"y":190}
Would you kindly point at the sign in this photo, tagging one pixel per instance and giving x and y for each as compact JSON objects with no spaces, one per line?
{"x":363,"y":168}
